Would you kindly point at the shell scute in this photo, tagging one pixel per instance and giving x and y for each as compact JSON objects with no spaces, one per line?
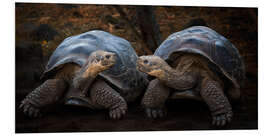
{"x":222,"y":54}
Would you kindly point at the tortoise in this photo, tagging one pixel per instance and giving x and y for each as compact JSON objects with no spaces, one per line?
{"x":195,"y":63}
{"x":94,"y":69}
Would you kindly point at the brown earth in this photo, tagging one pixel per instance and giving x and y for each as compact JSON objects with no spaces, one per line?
{"x":41,"y":27}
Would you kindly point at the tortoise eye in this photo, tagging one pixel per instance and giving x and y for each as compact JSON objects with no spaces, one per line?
{"x":107,"y":56}
{"x":145,"y":61}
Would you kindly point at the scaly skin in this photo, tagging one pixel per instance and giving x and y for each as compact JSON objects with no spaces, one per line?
{"x":154,"y":99}
{"x":97,"y":62}
{"x":213,"y":95}
{"x":191,"y":72}
{"x":106,"y":97}
{"x":177,"y":80}
{"x":52,"y":90}
{"x":46,"y":94}
{"x":84,"y":79}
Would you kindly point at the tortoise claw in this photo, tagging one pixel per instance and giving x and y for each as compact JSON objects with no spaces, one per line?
{"x":30,"y":110}
{"x":117,"y":113}
{"x":155,"y":112}
{"x":222,"y":119}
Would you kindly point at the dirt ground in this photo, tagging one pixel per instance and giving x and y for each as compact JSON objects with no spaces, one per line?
{"x":41,"y":27}
{"x":182,"y":115}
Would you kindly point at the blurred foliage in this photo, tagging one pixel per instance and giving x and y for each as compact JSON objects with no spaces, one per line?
{"x":49,"y":24}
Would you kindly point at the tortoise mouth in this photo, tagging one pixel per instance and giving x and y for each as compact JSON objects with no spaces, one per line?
{"x":142,"y":68}
{"x":108,"y":63}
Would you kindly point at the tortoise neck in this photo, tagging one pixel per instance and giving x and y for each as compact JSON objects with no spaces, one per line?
{"x":89,"y":71}
{"x":85,"y":77}
{"x":176,"y":79}
{"x":170,"y":73}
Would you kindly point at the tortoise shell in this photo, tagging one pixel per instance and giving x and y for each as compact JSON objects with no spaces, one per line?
{"x":223,"y":56}
{"x":76,"y":49}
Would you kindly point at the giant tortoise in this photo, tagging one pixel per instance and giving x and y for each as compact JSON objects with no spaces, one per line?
{"x":95,"y":69}
{"x":195,"y":63}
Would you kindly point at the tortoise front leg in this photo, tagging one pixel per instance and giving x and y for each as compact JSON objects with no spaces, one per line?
{"x":106,"y":97}
{"x":218,"y":103}
{"x":154,"y":99}
{"x":46,"y":94}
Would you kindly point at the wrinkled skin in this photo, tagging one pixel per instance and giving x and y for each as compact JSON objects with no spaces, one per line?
{"x":190,"y":73}
{"x":72,"y":76}
{"x":98,"y":61}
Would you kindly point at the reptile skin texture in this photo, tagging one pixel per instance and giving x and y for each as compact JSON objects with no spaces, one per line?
{"x":154,"y":99}
{"x":218,"y":103}
{"x":184,"y":76}
{"x":106,"y":97}
{"x":46,"y":94}
{"x":83,"y":83}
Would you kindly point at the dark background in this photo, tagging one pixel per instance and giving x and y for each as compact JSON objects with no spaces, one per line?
{"x":41,"y":27}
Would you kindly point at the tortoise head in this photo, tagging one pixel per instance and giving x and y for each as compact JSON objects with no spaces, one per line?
{"x":102,"y":60}
{"x":152,"y":65}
